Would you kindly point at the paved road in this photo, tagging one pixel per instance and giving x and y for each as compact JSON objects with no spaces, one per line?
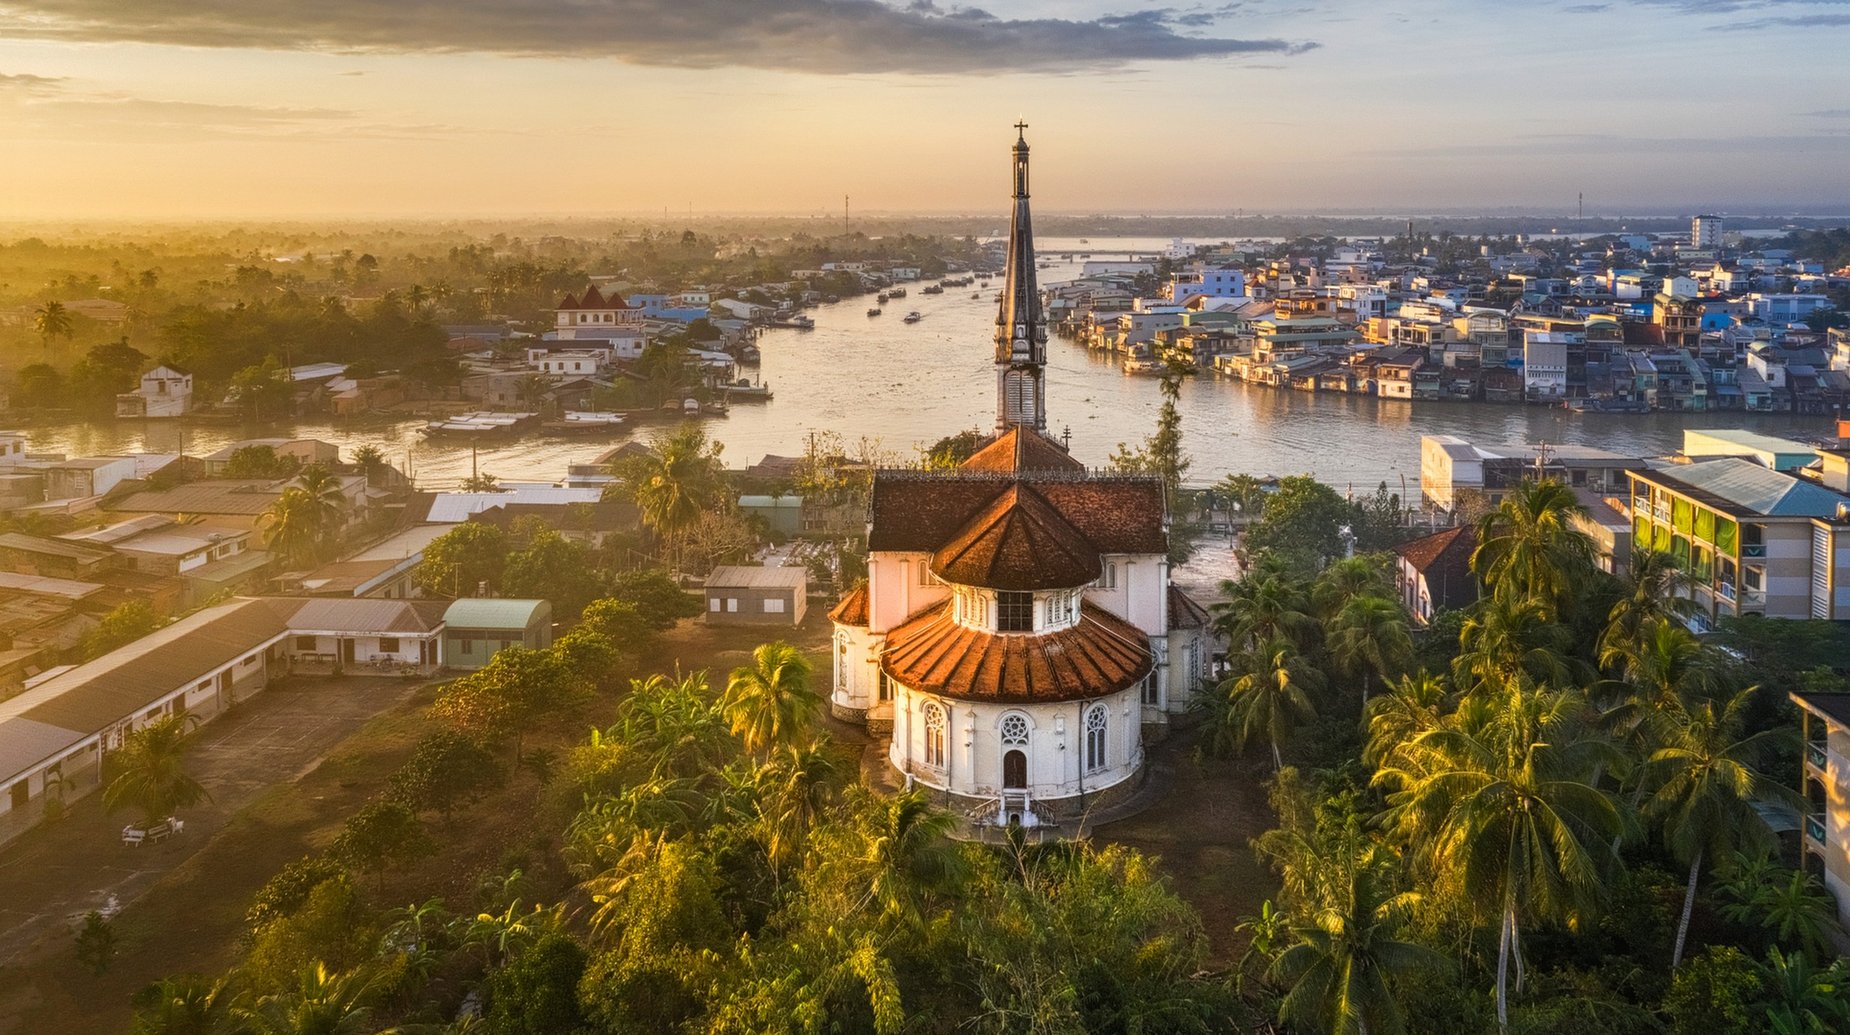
{"x":50,"y":877}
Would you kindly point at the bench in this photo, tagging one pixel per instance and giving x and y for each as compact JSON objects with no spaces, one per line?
{"x":133,"y":835}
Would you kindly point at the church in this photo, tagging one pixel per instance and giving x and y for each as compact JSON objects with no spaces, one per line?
{"x":1018,"y":636}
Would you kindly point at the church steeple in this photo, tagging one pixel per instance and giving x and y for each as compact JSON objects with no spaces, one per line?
{"x":1021,"y":329}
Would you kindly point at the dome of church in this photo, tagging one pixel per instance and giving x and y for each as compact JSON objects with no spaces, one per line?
{"x":1018,"y":542}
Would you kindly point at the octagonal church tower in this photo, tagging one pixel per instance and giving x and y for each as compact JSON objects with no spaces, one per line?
{"x":1018,"y":633}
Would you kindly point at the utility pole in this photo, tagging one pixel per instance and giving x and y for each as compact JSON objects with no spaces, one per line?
{"x":1581,"y":199}
{"x":844,"y":215}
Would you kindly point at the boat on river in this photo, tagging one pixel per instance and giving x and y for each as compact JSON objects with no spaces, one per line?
{"x":481,"y":423}
{"x":585,"y":422}
{"x":933,"y":289}
{"x":914,"y":317}
{"x":875,"y":311}
{"x":744,"y":390}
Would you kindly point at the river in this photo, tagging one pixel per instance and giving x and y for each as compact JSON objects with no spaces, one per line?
{"x":906,"y":385}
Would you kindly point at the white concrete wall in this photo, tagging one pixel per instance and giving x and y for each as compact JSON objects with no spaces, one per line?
{"x":894,"y":589}
{"x":1055,"y":750}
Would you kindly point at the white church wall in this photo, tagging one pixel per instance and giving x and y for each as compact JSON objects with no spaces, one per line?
{"x":898,"y":585}
{"x":1135,"y":588}
{"x":856,"y":672}
{"x":1056,"y":750}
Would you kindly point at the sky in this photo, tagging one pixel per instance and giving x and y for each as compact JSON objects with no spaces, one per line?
{"x":212,"y":109}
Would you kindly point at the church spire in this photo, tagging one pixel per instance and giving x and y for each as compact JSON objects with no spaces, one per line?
{"x":1021,"y":329}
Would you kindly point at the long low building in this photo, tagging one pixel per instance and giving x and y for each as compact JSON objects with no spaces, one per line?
{"x":55,"y":734}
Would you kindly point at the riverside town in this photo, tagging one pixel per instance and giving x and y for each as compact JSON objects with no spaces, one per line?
{"x":571,"y":522}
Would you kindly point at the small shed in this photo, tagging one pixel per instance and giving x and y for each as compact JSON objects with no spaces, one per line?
{"x":475,"y":628}
{"x":755,"y":595}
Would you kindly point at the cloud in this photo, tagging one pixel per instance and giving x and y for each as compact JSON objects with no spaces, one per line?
{"x":818,"y":36}
{"x":21,"y":84}
{"x":1828,"y":113}
{"x":1790,"y":21}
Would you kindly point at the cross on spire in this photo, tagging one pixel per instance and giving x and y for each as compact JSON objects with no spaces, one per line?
{"x":1021,"y":130}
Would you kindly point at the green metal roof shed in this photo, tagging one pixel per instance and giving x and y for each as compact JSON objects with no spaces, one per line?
{"x":494,"y":613}
{"x":475,"y":628}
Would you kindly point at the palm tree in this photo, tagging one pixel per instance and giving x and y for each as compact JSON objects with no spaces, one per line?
{"x":291,"y":527}
{"x":1369,"y":636}
{"x":1528,"y":548}
{"x":911,"y":855}
{"x":792,"y":793}
{"x":1265,"y":605}
{"x":1409,"y":708}
{"x":417,"y":296}
{"x":1703,"y":784}
{"x":770,"y":703}
{"x":1338,"y":973}
{"x":1270,"y":700}
{"x":1504,"y":639}
{"x":675,"y":483}
{"x":1653,"y":589}
{"x":322,"y":1003}
{"x":1670,"y":666}
{"x":151,"y":774}
{"x":52,"y":320}
{"x":1364,"y":575}
{"x":1243,"y":491}
{"x":1496,"y":803}
{"x":186,"y":1006}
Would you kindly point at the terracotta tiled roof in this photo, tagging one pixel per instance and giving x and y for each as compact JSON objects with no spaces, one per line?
{"x":853,"y":608}
{"x":1184,"y":613}
{"x":1022,"y":449}
{"x":922,"y":511}
{"x":568,"y":302}
{"x":1444,"y":559}
{"x":593,"y":299}
{"x":1017,"y":542}
{"x":1101,"y":655}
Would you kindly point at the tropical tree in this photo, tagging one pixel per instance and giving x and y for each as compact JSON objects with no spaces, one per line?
{"x":322,"y":1003}
{"x":186,"y":1006}
{"x":1243,"y":491}
{"x":1268,"y":604}
{"x":1704,"y":783}
{"x":52,"y":320}
{"x":1363,"y":575}
{"x":1411,"y":707}
{"x":1369,"y":636}
{"x":1339,"y":975}
{"x":307,"y":519}
{"x":792,"y":794}
{"x":1497,"y":805}
{"x":1807,"y":1000}
{"x":1529,"y":550}
{"x":1270,"y":700}
{"x":911,"y":856}
{"x":770,"y":703}
{"x":1652,"y":589}
{"x":150,"y":772}
{"x":674,"y":482}
{"x":472,"y":554}
{"x":1505,"y":639}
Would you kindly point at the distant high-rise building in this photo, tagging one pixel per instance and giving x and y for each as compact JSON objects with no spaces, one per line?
{"x":1705,"y":232}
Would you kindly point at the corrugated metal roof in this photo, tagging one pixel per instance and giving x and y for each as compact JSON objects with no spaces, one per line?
{"x":209,"y":497}
{"x":450,"y":508}
{"x":493,"y":613}
{"x":1753,"y":488}
{"x":361,"y":615}
{"x":743,"y":576}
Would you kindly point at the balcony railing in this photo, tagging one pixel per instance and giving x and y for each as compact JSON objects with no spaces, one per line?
{"x":1814,"y":828}
{"x":1753,"y":549}
{"x":1753,"y":598}
{"x":1814,"y":753}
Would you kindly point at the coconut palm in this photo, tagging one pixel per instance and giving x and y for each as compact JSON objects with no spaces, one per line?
{"x":1528,"y":548}
{"x":1504,"y":639}
{"x":1369,"y":637}
{"x":675,"y":483}
{"x":1670,"y":665}
{"x":52,"y":320}
{"x":911,"y":855}
{"x":1338,"y":974}
{"x":1653,"y":588}
{"x":792,"y":793}
{"x":1409,"y":708}
{"x":151,"y":772}
{"x":770,"y":703}
{"x":1267,"y":604}
{"x":1364,"y":575}
{"x":1496,"y":803}
{"x":292,"y":527}
{"x":1703,"y":784}
{"x":1270,"y":700}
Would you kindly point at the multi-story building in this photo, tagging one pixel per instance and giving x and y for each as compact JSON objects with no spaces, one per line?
{"x":1705,"y":232}
{"x":1824,"y":843}
{"x":1745,"y":535}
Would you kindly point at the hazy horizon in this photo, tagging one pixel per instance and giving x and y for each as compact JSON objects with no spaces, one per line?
{"x":229,"y":109}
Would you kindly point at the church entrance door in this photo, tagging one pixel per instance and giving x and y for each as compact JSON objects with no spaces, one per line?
{"x":1015,"y":771}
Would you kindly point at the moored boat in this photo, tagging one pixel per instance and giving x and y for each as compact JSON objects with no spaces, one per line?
{"x":914,"y":317}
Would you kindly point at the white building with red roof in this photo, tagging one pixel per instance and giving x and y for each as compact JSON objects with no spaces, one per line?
{"x":1018,"y":631}
{"x":594,"y":320}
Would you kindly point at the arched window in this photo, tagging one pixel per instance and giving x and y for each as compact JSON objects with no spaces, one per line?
{"x":934,"y":736}
{"x":1014,"y":728}
{"x":1095,"y":738}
